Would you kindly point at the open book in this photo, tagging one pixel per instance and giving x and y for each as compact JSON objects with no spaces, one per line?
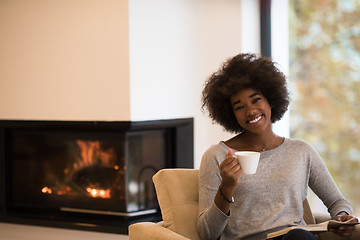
{"x":320,"y":227}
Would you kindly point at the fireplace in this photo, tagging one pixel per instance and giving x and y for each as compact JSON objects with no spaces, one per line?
{"x":87,"y":175}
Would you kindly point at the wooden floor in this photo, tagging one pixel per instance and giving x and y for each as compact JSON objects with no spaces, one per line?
{"x":26,"y":232}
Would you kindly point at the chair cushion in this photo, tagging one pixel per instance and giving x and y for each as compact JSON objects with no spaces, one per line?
{"x":152,"y":231}
{"x":178,"y":195}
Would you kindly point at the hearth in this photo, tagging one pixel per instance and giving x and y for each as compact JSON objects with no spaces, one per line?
{"x":87,"y":175}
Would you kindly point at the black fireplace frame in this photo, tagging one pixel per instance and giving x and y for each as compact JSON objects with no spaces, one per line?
{"x":179,"y":142}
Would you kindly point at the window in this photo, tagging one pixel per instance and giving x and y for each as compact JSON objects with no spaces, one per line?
{"x":324,"y":71}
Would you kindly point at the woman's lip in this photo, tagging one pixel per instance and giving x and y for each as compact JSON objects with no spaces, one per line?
{"x":255,"y":120}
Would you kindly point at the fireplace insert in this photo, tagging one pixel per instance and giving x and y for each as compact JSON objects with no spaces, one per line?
{"x":88,"y":173}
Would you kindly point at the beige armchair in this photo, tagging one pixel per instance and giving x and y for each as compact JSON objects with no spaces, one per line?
{"x":177,"y":192}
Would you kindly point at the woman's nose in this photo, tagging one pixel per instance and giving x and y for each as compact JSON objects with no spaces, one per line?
{"x":250,"y":111}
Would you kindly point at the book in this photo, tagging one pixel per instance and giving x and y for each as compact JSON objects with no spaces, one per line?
{"x":314,"y":228}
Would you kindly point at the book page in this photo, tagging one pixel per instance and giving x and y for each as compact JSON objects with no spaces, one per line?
{"x":320,"y":227}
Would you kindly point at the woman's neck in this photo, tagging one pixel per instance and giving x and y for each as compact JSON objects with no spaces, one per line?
{"x":255,"y":142}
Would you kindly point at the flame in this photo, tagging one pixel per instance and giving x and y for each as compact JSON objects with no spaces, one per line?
{"x":98,"y":192}
{"x":46,"y":190}
{"x":91,"y":153}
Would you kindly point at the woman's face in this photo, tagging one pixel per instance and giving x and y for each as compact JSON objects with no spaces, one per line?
{"x":252,"y":110}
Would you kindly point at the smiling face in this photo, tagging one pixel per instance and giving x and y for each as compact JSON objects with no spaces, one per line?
{"x":252,"y":110}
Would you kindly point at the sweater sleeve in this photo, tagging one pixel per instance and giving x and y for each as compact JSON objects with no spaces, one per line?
{"x":324,"y":186}
{"x":211,"y":221}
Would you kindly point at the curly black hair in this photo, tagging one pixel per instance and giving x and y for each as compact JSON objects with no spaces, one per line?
{"x":240,"y":72}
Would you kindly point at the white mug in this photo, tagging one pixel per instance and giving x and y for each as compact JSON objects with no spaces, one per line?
{"x":248,"y":161}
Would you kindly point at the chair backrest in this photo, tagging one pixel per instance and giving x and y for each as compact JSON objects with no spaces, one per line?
{"x":178,"y":195}
{"x":177,"y":191}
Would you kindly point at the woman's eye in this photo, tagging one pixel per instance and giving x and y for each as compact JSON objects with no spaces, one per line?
{"x":256,"y":100}
{"x":239,"y":108}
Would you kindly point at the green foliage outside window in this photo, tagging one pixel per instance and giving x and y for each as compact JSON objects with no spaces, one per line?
{"x":325,"y":78}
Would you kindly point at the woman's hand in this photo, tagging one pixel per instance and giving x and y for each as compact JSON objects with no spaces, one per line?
{"x":230,"y":171}
{"x":344,"y":231}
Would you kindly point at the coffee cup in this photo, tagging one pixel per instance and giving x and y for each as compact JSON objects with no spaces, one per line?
{"x":248,"y":161}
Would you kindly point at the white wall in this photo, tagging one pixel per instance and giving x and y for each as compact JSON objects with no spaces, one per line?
{"x":250,"y":25}
{"x":164,"y":58}
{"x":174,"y":46}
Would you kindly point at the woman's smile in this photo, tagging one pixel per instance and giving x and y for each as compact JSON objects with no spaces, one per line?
{"x":257,"y":119}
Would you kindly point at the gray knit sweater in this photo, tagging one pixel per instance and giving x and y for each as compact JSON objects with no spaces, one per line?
{"x":270,"y":199}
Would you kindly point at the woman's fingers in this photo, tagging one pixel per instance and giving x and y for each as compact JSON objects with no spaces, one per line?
{"x":230,"y":169}
{"x":345,"y":230}
{"x":230,"y":164}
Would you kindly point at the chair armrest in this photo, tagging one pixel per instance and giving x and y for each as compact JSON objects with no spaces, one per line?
{"x":152,"y":231}
{"x":322,"y":217}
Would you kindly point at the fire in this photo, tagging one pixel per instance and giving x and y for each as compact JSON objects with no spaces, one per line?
{"x":98,"y":192}
{"x":46,"y":190}
{"x":92,"y":155}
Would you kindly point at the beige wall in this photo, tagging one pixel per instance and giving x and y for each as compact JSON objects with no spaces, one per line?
{"x":64,"y":60}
